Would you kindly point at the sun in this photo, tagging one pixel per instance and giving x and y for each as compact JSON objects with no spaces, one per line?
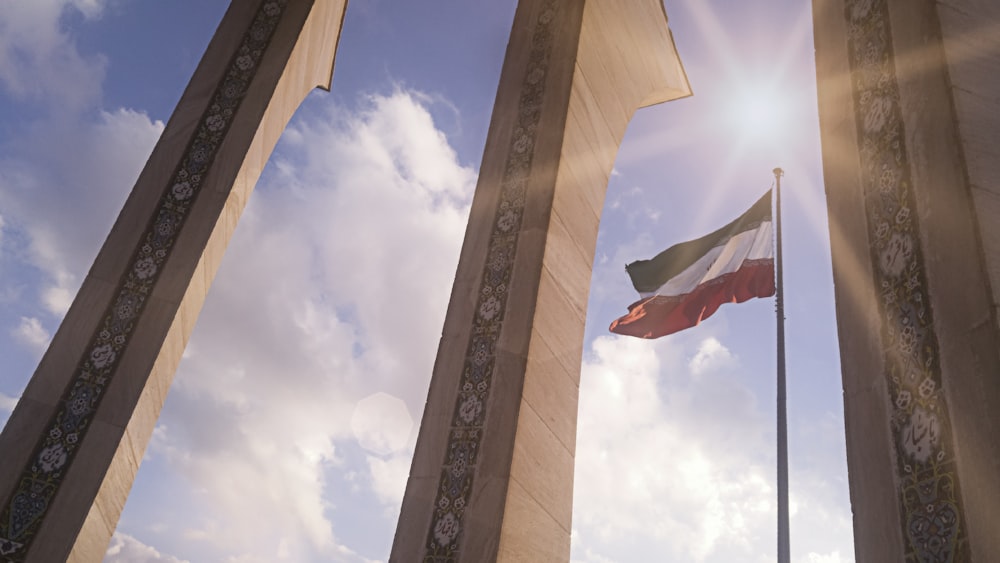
{"x":758,"y":113}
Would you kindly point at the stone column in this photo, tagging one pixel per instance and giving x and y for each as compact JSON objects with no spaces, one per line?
{"x":909,"y":118}
{"x":73,"y":444}
{"x":492,"y":475}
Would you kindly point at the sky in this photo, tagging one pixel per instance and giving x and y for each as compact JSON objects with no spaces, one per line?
{"x":288,"y":432}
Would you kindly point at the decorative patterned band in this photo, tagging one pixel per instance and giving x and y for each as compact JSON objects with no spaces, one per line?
{"x":25,"y":510}
{"x":933,"y":522}
{"x":469,"y":420}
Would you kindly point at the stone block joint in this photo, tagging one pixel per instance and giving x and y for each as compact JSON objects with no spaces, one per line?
{"x":928,"y":489}
{"x":26,"y":508}
{"x":469,"y":421}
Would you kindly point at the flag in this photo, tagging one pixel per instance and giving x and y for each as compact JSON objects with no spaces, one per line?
{"x":688,"y":282}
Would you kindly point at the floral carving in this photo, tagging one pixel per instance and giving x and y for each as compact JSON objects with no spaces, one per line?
{"x":145,"y":268}
{"x":920,"y":423}
{"x":24,"y":512}
{"x":467,"y":425}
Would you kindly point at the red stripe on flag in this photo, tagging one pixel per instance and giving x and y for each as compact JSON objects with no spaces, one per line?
{"x":661,"y":315}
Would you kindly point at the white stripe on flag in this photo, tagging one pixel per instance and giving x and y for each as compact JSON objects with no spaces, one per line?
{"x":756,"y":244}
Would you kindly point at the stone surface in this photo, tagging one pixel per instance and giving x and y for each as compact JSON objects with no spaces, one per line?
{"x":499,"y":426}
{"x":971,"y":55}
{"x":265,"y":57}
{"x":906,"y":131}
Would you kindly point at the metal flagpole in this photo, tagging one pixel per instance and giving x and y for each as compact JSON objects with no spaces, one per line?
{"x":784,"y":551}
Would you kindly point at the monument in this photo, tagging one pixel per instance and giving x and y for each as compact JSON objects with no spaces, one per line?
{"x":908,"y":101}
{"x":73,"y":444}
{"x":492,"y":474}
{"x":909,"y":94}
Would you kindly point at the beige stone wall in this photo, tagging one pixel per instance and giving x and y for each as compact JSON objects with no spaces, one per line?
{"x":96,"y":480}
{"x":905,"y":121}
{"x":970,"y":40}
{"x":940,"y":82}
{"x":622,"y":64}
{"x":970,"y":31}
{"x":492,"y":476}
{"x":870,"y":458}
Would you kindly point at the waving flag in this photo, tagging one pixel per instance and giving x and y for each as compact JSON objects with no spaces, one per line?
{"x":688,"y":282}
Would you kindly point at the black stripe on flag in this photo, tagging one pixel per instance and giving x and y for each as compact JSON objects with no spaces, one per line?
{"x":648,"y":275}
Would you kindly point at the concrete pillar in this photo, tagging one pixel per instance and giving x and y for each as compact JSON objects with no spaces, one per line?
{"x":909,"y":98}
{"x":73,"y":444}
{"x":492,"y":475}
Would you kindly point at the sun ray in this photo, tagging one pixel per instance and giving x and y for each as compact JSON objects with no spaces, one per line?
{"x":720,"y":188}
{"x":662,"y":137}
{"x":980,"y":43}
{"x":709,"y":26}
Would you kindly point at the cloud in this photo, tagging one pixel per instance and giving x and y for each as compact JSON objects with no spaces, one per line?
{"x":126,"y":549}
{"x":381,"y":423}
{"x":31,"y":333}
{"x":828,"y":558}
{"x":711,"y":356}
{"x":63,"y":184}
{"x":319,"y":333}
{"x":590,"y":557}
{"x":7,"y":403}
{"x":673,"y":462}
{"x":334,"y":288}
{"x":389,"y":480}
{"x":65,"y":173}
{"x":39,"y":60}
{"x":647,"y":480}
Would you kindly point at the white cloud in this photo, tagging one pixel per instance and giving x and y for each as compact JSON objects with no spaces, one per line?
{"x":389,"y":480}
{"x":381,"y":423}
{"x":64,"y":184}
{"x":320,"y":329}
{"x":648,"y":480}
{"x":38,"y":59}
{"x":31,"y":333}
{"x":711,"y":356}
{"x":682,"y":465}
{"x":7,"y":403}
{"x":590,"y":557}
{"x":335,"y":288}
{"x":58,"y":298}
{"x":126,"y":549}
{"x":828,"y":558}
{"x":64,"y":176}
{"x":391,"y":232}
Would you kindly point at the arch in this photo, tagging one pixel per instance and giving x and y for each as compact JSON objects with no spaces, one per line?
{"x":74,"y":442}
{"x":492,"y":474}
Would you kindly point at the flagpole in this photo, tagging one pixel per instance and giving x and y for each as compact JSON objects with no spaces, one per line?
{"x":784,"y":551}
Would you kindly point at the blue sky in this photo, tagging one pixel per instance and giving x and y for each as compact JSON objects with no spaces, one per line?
{"x":288,"y":432}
